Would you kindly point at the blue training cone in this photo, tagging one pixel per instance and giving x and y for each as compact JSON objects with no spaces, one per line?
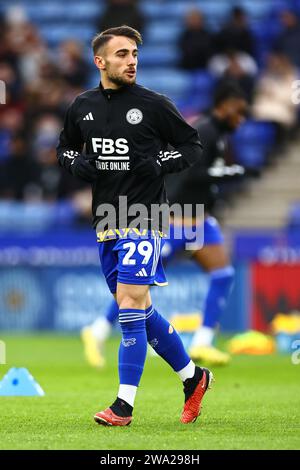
{"x":18,"y":382}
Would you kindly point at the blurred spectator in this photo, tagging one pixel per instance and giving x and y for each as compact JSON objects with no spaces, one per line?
{"x":12,"y":82}
{"x":235,"y":66}
{"x":44,"y":135}
{"x":29,"y":48}
{"x":72,"y":64}
{"x":289,"y":41}
{"x":44,"y":138}
{"x":49,"y":174}
{"x":273,"y":93}
{"x":12,"y":119}
{"x":236,"y":34}
{"x":11,"y":122}
{"x":46,"y":95}
{"x":18,"y":172}
{"x":23,"y":43}
{"x":195,"y":42}
{"x":119,"y":12}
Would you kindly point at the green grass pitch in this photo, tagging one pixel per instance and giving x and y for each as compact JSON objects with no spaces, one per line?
{"x":254,"y":403}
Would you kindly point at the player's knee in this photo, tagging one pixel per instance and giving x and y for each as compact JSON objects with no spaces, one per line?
{"x":130,"y":296}
{"x":132,"y":301}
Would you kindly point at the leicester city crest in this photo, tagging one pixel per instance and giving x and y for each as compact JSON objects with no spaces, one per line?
{"x":134,"y":116}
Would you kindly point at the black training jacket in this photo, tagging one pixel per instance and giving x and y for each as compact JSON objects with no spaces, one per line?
{"x":199,"y":185}
{"x":124,"y":127}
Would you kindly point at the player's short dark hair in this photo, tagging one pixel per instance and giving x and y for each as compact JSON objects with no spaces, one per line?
{"x":228,"y":91}
{"x":102,"y":38}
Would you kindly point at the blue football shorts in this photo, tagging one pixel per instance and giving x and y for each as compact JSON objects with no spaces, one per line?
{"x":212,"y":236}
{"x":132,"y":260}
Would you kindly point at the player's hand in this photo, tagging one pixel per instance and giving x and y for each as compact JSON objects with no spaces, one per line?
{"x":150,"y":167}
{"x":84,"y":169}
{"x":97,"y":162}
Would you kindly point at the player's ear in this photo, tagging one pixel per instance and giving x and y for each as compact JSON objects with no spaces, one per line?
{"x":99,"y":62}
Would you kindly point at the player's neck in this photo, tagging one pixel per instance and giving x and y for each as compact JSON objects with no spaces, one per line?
{"x":109,"y":85}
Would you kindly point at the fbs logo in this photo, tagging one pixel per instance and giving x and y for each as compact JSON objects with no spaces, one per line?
{"x":109,"y":146}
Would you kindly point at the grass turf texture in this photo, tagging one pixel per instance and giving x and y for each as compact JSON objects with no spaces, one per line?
{"x":254,"y":403}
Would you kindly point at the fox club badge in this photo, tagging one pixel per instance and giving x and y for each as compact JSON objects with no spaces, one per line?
{"x":134,"y":116}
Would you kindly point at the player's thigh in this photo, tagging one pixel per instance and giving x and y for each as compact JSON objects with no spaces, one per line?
{"x":132,"y":295}
{"x":212,"y":257}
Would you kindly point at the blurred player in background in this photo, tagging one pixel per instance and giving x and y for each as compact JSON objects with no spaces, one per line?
{"x":194,"y":186}
{"x":126,"y":130}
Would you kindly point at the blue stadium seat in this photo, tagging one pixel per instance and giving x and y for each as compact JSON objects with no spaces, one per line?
{"x":265,"y":37}
{"x":197,"y":102}
{"x":155,"y":56}
{"x":86,"y":11}
{"x":252,"y":143}
{"x":214,"y":9}
{"x":256,"y":9}
{"x":297,"y":6}
{"x":200,"y":95}
{"x":56,"y":33}
{"x":172,"y":82}
{"x":46,"y":12}
{"x":5,"y":140}
{"x":162,"y":31}
{"x":41,"y":12}
{"x":159,"y":10}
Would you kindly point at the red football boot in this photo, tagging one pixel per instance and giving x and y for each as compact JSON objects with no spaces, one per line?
{"x":194,"y":390}
{"x":109,"y":418}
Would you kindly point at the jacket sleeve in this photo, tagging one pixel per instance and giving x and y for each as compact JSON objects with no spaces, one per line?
{"x":184,"y":139}
{"x":70,"y":140}
{"x":212,"y":168}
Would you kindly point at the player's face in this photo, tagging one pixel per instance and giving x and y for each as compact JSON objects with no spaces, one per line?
{"x":235,"y":111}
{"x":119,"y":61}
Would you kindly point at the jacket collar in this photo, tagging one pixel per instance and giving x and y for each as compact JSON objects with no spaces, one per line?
{"x":113,"y":91}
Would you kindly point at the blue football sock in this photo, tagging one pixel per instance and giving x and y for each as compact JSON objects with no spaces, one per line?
{"x":112,"y":312}
{"x":221,"y":281}
{"x":133,"y":347}
{"x":165,"y":340}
